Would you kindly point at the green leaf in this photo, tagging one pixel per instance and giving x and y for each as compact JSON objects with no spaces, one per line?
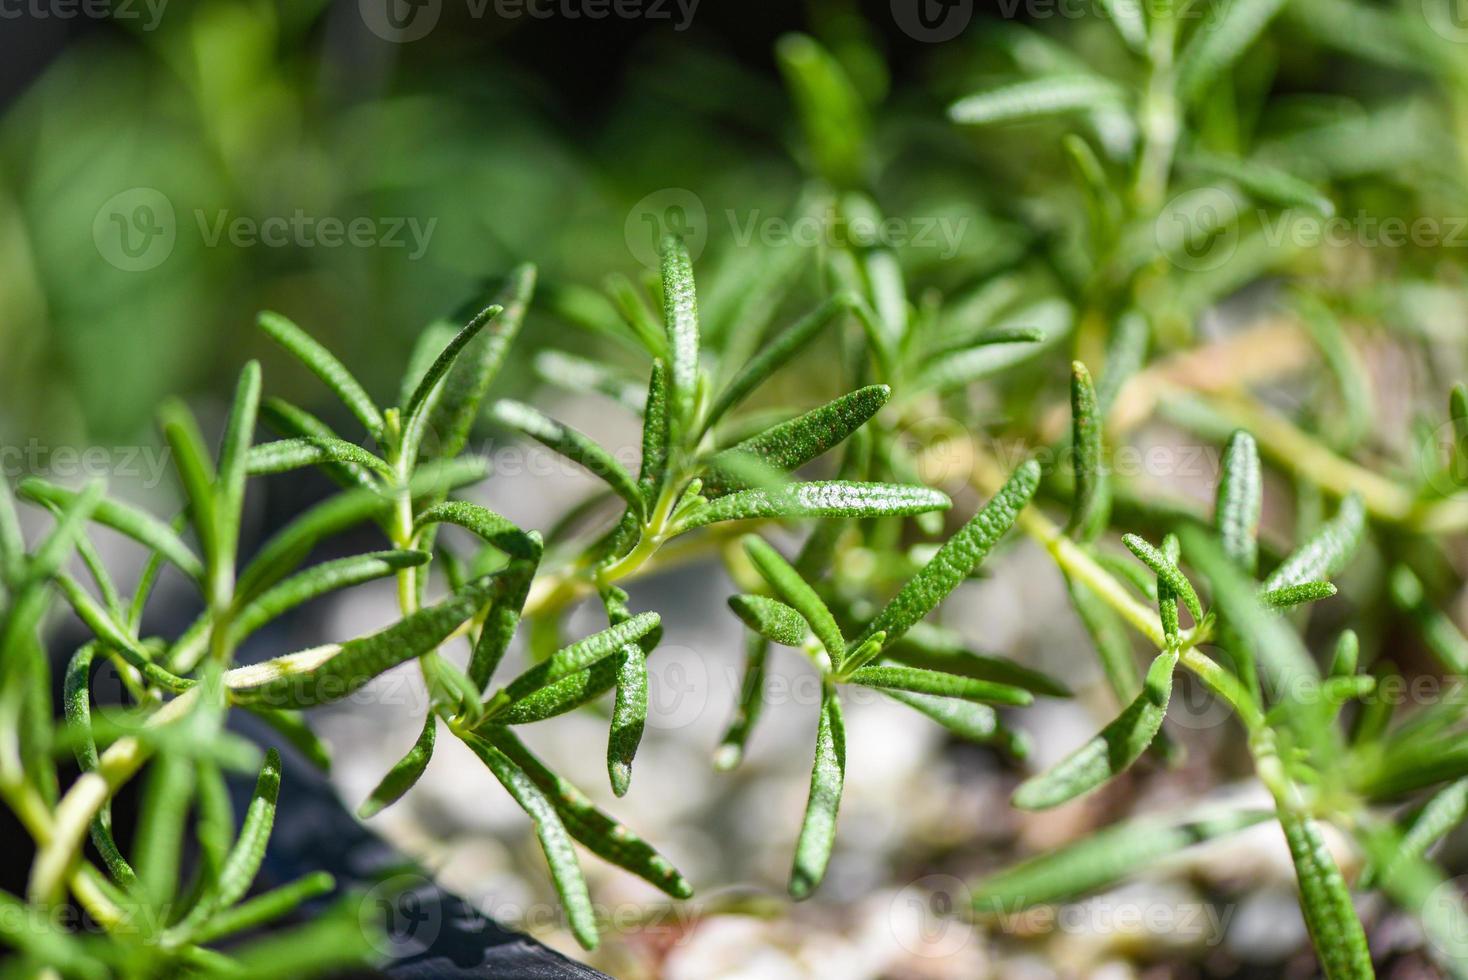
{"x":574,"y":658}
{"x":680,"y":315}
{"x":284,"y":455}
{"x":1051,"y":318}
{"x":1458,"y":413}
{"x":1219,"y":41}
{"x":566,"y":694}
{"x":751,"y":700}
{"x":1441,"y":634}
{"x":196,"y":475}
{"x":1439,"y":816}
{"x":1126,"y":17}
{"x":1167,"y":573}
{"x":832,"y":115}
{"x":1037,"y":98}
{"x":12,"y":541}
{"x":430,"y":387}
{"x":326,"y":367}
{"x":404,"y":773}
{"x":1262,"y":636}
{"x":115,"y":636}
{"x":262,"y":909}
{"x":291,"y":726}
{"x":1240,"y":497}
{"x":575,"y":446}
{"x":936,"y":648}
{"x":293,"y":422}
{"x":1326,"y":901}
{"x":832,"y":498}
{"x":1265,"y":182}
{"x":657,"y":436}
{"x":245,"y":858}
{"x":1117,"y":746}
{"x":316,"y":581}
{"x":776,"y":353}
{"x":599,"y":833}
{"x":1295,"y":595}
{"x":524,"y":549}
{"x":315,"y":677}
{"x":239,"y":433}
{"x":959,"y":556}
{"x":967,"y":719}
{"x":798,"y":594}
{"x":791,"y":444}
{"x":1100,"y":860}
{"x":629,"y":710}
{"x":76,"y":700}
{"x":630,"y":309}
{"x":916,"y":680}
{"x":290,"y":546}
{"x":818,"y":831}
{"x":1091,"y":503}
{"x":771,"y":619}
{"x":560,"y":853}
{"x":580,"y":374}
{"x":459,"y":403}
{"x":158,"y":843}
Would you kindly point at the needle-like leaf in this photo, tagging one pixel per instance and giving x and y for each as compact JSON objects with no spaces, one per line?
{"x":751,"y":699}
{"x":1334,"y":928}
{"x":284,"y":455}
{"x":574,"y":658}
{"x":319,"y":580}
{"x":1167,"y":573}
{"x":1099,"y":860}
{"x":894,"y":677}
{"x":1091,"y":504}
{"x":560,"y":853}
{"x":239,"y":432}
{"x":833,"y":498}
{"x":1117,"y":746}
{"x":316,"y":677}
{"x":599,"y":833}
{"x":1326,"y":552}
{"x":791,"y":444}
{"x":776,"y":353}
{"x":1240,"y":496}
{"x":1037,"y":98}
{"x":1219,"y":41}
{"x":326,"y":367}
{"x":404,"y":773}
{"x":573,"y":445}
{"x":797,"y":593}
{"x":771,"y":619}
{"x":959,"y":556}
{"x":818,"y":831}
{"x":141,"y":527}
{"x":680,"y":315}
{"x":426,"y":395}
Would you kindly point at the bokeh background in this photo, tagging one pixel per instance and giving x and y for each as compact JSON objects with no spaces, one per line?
{"x":168,"y":170}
